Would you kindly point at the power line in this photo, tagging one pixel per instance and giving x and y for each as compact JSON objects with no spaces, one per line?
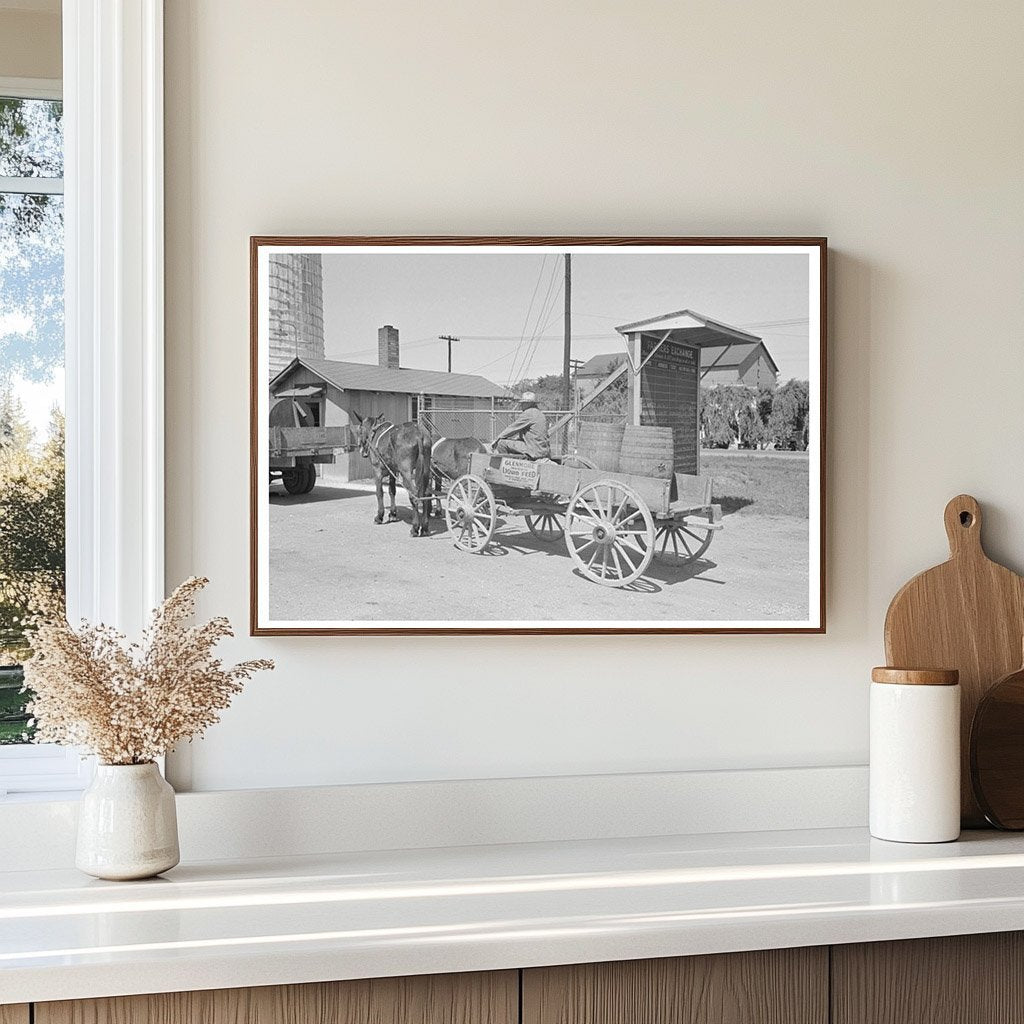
{"x":537,"y":329}
{"x":529,"y":309}
{"x":418,"y":343}
{"x":552,"y":311}
{"x":491,"y":362}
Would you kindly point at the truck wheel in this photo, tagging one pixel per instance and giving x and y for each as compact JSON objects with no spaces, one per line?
{"x":310,"y":481}
{"x":294,"y":480}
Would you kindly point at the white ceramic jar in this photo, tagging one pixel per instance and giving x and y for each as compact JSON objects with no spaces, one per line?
{"x":127,"y":823}
{"x":915,"y":755}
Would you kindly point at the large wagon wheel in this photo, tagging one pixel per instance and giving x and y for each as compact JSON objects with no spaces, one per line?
{"x":609,"y":531}
{"x":471,"y":513}
{"x":546,"y":526}
{"x":681,"y":541}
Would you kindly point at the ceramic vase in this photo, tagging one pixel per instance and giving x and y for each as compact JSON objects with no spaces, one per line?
{"x":127,"y":825}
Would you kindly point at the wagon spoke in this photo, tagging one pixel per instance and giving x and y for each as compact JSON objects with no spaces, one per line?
{"x":696,"y":537}
{"x":632,"y":533}
{"x":618,"y":564}
{"x":682,"y":540}
{"x":590,"y":561}
{"x":627,"y":560}
{"x":635,"y":547}
{"x":625,"y":507}
{"x":586,"y":544}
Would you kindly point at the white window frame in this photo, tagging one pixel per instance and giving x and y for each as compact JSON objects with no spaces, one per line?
{"x":114,"y":349}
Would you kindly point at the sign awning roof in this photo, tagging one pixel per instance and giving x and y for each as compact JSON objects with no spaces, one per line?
{"x":695,"y":328}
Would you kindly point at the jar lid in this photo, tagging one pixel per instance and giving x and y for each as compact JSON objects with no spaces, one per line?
{"x":916,"y":676}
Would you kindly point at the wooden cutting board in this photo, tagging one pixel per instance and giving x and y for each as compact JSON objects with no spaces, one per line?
{"x":967,"y":614}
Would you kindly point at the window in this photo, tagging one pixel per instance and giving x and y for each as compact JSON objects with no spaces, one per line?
{"x":32,"y":530}
{"x":111,"y":205}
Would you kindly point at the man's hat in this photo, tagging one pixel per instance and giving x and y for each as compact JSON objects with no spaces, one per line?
{"x":527,"y":396}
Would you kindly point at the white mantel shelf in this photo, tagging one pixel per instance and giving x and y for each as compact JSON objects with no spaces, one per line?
{"x":226,"y":924}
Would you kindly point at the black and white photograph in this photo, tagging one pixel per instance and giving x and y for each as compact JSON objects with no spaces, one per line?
{"x":543,"y":435}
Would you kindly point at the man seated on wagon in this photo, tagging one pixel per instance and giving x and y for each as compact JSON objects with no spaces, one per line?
{"x":527,"y":437}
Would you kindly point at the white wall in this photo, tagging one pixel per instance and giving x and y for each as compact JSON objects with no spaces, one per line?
{"x":895,"y":129}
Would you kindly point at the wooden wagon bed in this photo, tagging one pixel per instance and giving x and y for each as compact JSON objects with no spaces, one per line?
{"x":613,"y":524}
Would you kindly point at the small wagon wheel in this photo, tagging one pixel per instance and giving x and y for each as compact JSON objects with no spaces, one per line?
{"x":471,"y":513}
{"x":609,"y":532}
{"x":546,"y":526}
{"x":578,"y":462}
{"x":680,"y":541}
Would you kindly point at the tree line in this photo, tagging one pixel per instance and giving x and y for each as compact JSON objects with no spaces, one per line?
{"x":739,"y":416}
{"x":31,"y":524}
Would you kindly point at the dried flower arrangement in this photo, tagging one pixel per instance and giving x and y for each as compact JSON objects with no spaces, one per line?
{"x":130,"y":703}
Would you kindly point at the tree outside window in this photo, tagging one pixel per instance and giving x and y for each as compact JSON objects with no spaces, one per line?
{"x":32,"y":542}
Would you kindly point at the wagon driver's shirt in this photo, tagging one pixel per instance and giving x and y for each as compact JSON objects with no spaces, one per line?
{"x":532,"y":427}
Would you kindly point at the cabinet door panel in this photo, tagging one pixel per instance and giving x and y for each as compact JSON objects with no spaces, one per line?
{"x":778,"y":986}
{"x":14,"y":1014}
{"x":484,"y":998}
{"x":960,"y":979}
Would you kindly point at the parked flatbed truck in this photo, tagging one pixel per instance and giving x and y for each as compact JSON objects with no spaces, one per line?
{"x":298,"y":447}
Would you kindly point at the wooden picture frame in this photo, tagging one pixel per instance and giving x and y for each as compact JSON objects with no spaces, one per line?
{"x":666,"y":395}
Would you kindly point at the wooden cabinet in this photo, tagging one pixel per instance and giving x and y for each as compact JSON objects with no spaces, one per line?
{"x":778,"y":986}
{"x":491,"y":998}
{"x":962,"y":979}
{"x":967,"y":979}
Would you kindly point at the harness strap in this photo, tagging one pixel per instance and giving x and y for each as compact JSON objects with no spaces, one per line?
{"x":375,"y":440}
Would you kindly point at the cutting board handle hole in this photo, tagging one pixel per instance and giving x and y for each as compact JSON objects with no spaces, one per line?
{"x":966,"y":518}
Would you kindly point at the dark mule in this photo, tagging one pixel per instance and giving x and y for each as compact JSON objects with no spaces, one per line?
{"x":449,"y":459}
{"x":398,"y":450}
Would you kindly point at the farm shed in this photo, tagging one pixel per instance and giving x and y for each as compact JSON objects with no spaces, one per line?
{"x":678,"y":352}
{"x":332,"y":391}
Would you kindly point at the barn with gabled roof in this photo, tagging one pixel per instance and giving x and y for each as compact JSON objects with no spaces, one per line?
{"x":328,"y":392}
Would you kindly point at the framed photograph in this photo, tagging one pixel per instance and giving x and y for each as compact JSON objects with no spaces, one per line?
{"x":537,"y":435}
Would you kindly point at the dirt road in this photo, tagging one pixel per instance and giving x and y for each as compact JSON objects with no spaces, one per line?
{"x":329,"y":561}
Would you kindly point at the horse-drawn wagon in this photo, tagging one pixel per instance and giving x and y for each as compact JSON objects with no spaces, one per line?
{"x":612,"y":524}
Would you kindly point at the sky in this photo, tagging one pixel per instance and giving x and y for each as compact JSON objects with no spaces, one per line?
{"x":498,"y":303}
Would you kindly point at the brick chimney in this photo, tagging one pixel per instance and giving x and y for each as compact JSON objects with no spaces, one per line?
{"x":387,"y":347}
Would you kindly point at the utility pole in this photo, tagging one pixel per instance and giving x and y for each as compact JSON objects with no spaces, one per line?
{"x":567,"y":350}
{"x":449,"y":339}
{"x":574,"y":423}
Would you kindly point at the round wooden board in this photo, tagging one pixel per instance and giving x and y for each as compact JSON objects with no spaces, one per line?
{"x":997,"y":753}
